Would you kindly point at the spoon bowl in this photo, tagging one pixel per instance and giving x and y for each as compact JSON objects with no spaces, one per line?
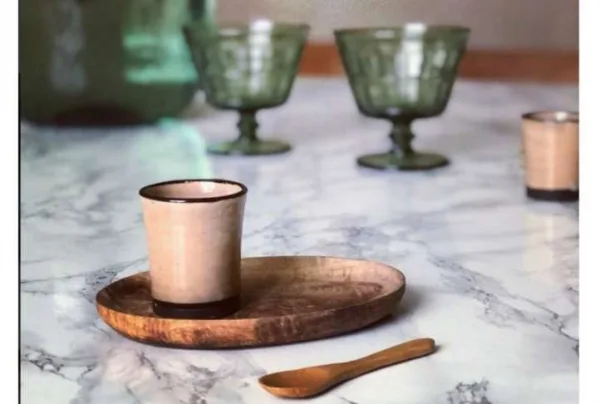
{"x":299,"y":383}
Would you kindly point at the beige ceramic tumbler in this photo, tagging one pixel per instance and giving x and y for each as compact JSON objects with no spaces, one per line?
{"x":194,"y":232}
{"x":551,"y":151}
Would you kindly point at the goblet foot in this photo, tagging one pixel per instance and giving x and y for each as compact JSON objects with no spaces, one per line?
{"x":414,"y":161}
{"x":249,"y":148}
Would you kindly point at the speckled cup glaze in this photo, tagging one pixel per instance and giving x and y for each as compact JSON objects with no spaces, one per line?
{"x":194,"y":233}
{"x":551,"y":151}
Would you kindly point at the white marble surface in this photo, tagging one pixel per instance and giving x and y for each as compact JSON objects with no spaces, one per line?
{"x":491,"y":276}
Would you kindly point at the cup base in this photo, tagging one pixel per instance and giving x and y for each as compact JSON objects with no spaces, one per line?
{"x":560,"y":195}
{"x":253,"y":148}
{"x":410,"y":162}
{"x":198,"y":311}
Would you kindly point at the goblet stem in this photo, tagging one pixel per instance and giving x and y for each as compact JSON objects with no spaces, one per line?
{"x":402,"y":156}
{"x":247,"y":126}
{"x":248,"y":142}
{"x":402,"y":137}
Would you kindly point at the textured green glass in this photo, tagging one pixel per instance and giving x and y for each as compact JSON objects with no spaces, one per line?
{"x":106,"y":62}
{"x":248,"y":68}
{"x":401,"y":74}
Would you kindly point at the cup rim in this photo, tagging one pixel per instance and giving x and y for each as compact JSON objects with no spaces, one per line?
{"x":402,"y":28}
{"x":549,"y":116}
{"x":144,"y":191}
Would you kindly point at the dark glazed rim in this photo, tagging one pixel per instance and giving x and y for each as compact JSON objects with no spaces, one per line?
{"x":551,"y":116}
{"x":144,"y":192}
{"x":401,"y":29}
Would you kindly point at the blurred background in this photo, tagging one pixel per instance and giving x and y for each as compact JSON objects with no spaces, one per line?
{"x":511,"y":39}
{"x":496,"y":24}
{"x":120,"y":62}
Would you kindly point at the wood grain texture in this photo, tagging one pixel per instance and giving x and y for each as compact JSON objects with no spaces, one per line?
{"x":284,"y":300}
{"x":322,"y":59}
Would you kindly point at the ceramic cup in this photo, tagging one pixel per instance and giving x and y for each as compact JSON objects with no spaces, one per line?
{"x":194,"y":232}
{"x":551,"y":152}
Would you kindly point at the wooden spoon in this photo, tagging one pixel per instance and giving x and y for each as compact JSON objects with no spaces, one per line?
{"x":308,"y":382}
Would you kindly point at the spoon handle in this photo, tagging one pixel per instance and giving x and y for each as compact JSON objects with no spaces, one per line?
{"x":396,"y":354}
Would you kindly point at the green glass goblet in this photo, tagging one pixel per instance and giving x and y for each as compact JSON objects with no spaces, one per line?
{"x":247,"y":68}
{"x":401,"y":74}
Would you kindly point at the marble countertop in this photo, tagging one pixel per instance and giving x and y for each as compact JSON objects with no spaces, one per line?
{"x":491,"y":276}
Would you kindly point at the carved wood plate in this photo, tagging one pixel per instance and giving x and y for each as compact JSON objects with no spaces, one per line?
{"x":284,"y":300}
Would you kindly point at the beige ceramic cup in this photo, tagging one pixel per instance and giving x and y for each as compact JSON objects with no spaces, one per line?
{"x":551,"y":152}
{"x":194,"y":233}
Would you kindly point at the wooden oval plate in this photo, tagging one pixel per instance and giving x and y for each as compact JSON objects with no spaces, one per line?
{"x":284,"y":300}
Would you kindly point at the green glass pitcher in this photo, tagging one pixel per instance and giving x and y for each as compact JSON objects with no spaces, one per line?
{"x":106,"y":62}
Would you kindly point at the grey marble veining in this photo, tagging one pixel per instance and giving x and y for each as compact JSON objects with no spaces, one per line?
{"x":491,"y":276}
